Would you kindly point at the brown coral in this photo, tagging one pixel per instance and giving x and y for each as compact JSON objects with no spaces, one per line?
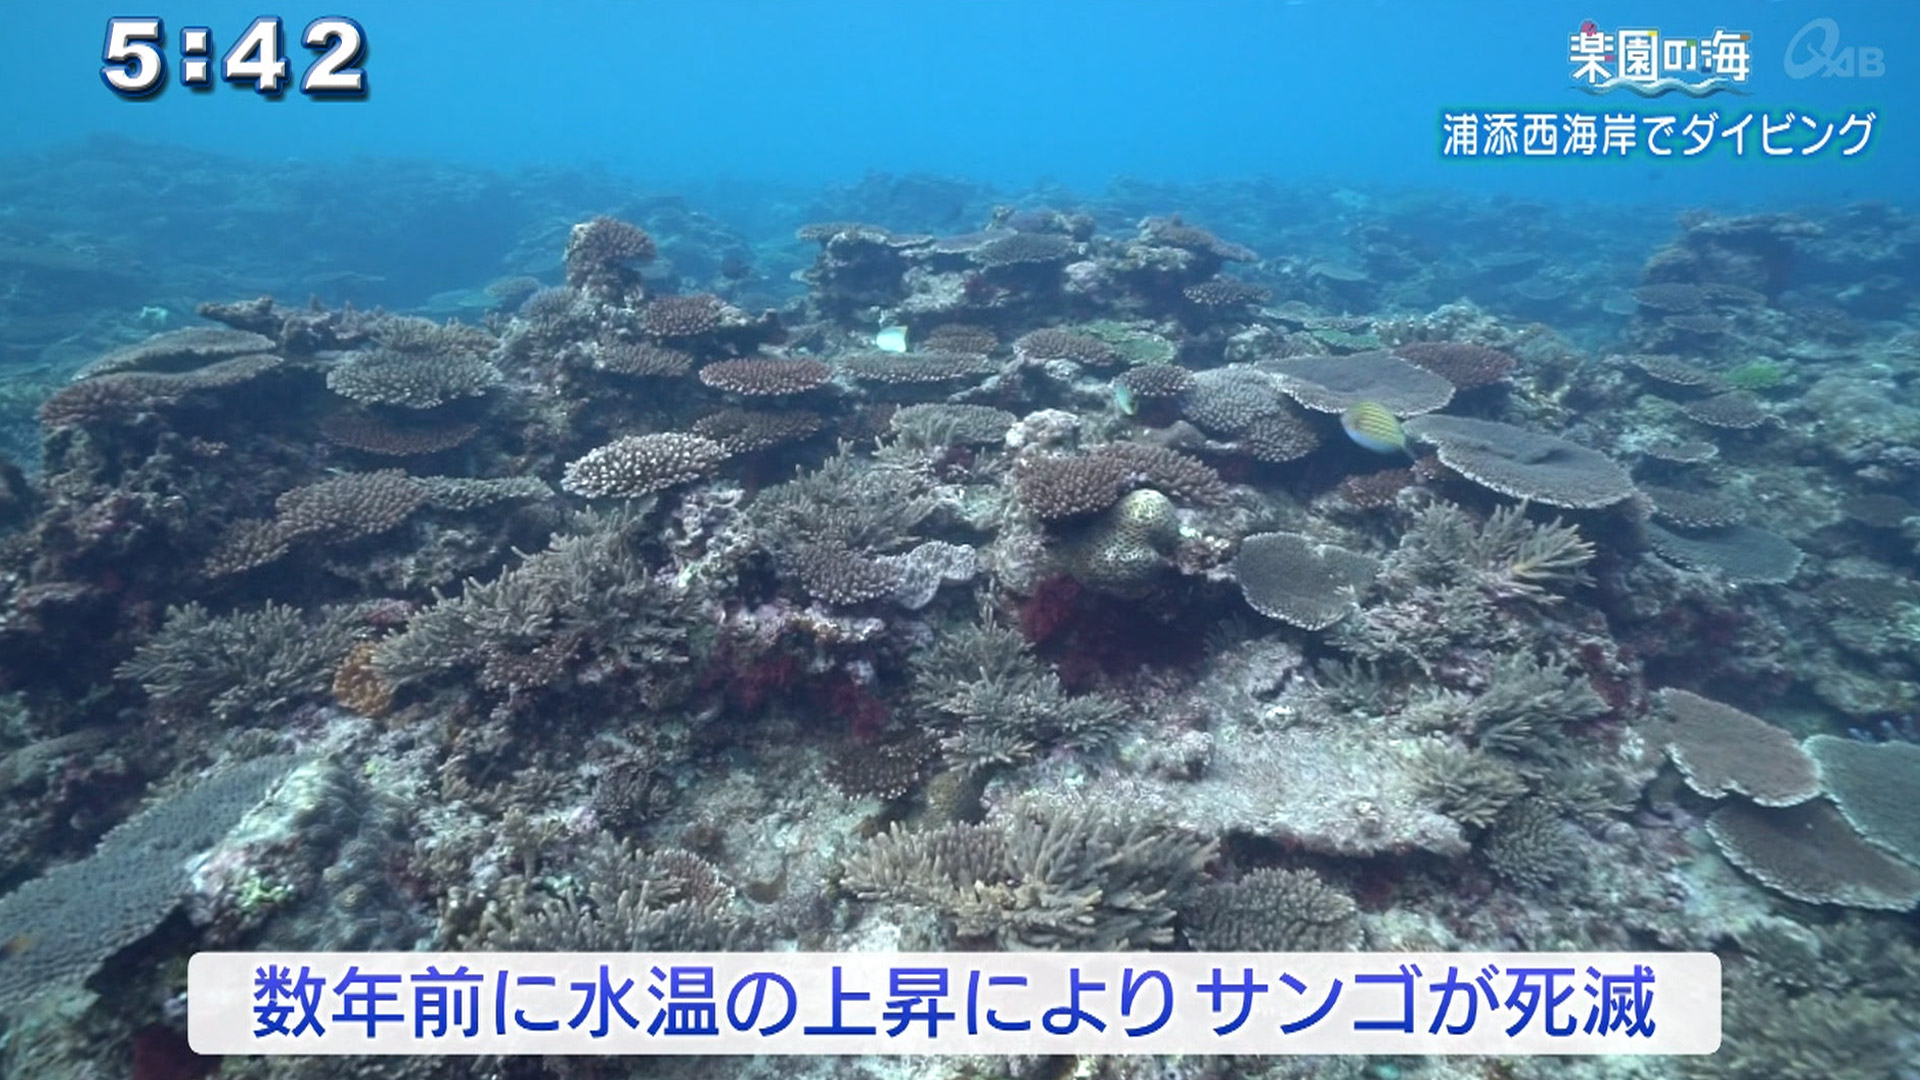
{"x":682,"y":316}
{"x":358,"y":686}
{"x":599,"y":251}
{"x":915,"y":367}
{"x":765,"y":376}
{"x":960,"y":338}
{"x":1053,"y":343}
{"x":1467,"y":366}
{"x":1737,"y":410}
{"x":642,"y":360}
{"x":638,"y":465}
{"x":1059,"y":487}
{"x":1225,"y":294}
{"x":357,"y":430}
{"x":745,"y":431}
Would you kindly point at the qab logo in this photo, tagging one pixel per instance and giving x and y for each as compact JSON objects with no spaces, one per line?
{"x":1816,"y":50}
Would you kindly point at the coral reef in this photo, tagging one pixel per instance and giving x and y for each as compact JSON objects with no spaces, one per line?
{"x":1057,"y":614}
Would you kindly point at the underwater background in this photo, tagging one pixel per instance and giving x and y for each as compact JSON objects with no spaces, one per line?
{"x":1063,"y":475}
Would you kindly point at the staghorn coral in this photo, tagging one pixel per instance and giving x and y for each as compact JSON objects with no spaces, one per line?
{"x":636,"y":465}
{"x":1810,"y":853}
{"x":938,"y":424}
{"x":1526,"y":707}
{"x":618,"y":899}
{"x":1451,"y":579}
{"x":599,"y":252}
{"x":1524,"y":464}
{"x":997,"y":705}
{"x":64,"y":924}
{"x":1528,"y":844}
{"x":860,"y":504}
{"x":247,"y":665}
{"x":1272,"y":910}
{"x":1876,"y":787}
{"x":1038,"y":879}
{"x":1470,"y":787}
{"x":765,"y":376}
{"x":587,"y":602}
{"x":1769,"y":1034}
{"x":1300,"y":581}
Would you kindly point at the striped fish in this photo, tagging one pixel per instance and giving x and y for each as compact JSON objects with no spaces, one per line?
{"x":1372,"y":426}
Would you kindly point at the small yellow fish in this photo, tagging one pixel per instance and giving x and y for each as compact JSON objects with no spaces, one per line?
{"x":1369,"y":424}
{"x":891,"y":339}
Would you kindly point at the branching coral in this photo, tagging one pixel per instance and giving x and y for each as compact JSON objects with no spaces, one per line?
{"x":1071,"y":879}
{"x":1272,"y":910}
{"x":600,"y":251}
{"x":240,"y":665}
{"x":587,"y":603}
{"x":864,"y":505}
{"x":998,"y":705}
{"x":618,"y":899}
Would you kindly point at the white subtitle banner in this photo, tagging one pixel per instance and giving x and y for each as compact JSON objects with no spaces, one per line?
{"x":954,"y":1003}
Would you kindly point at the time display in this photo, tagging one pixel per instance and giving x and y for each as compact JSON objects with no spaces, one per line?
{"x":134,"y":60}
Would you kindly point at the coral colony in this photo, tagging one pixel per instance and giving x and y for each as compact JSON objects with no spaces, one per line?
{"x":1039,"y":587}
